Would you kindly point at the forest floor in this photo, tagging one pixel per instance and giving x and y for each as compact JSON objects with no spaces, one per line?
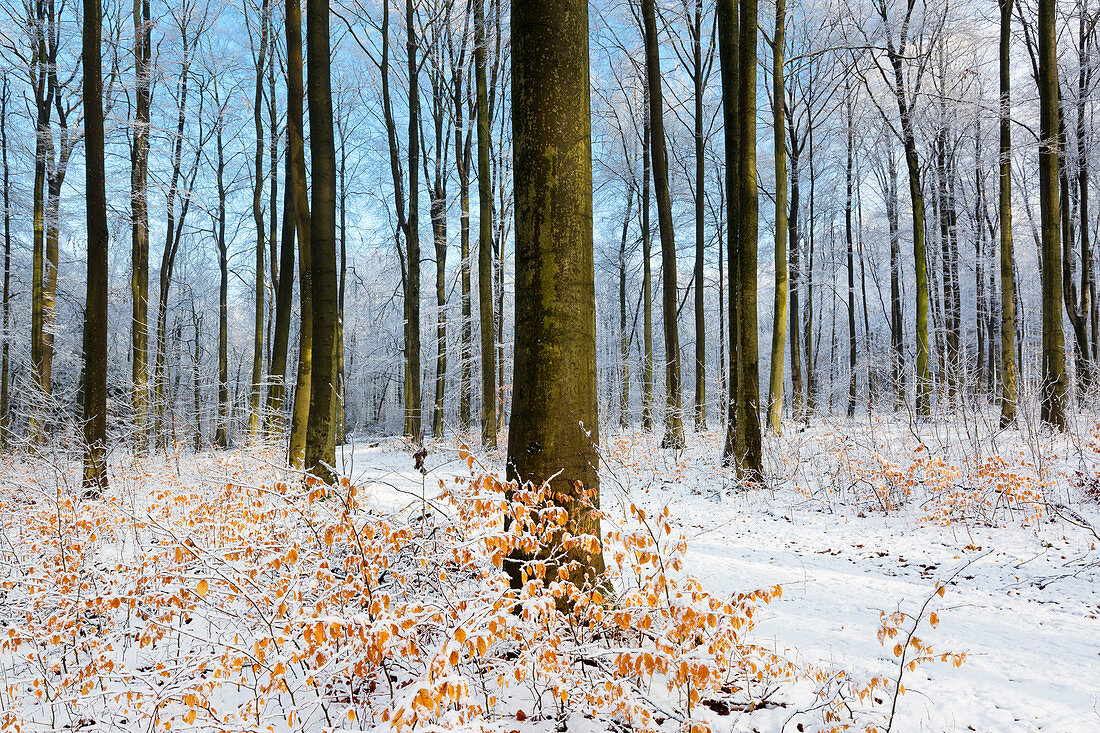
{"x":197,"y":595}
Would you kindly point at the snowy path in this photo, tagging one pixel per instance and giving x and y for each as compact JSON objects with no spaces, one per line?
{"x":1033,"y":654}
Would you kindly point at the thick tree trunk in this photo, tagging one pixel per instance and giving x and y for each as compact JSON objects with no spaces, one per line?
{"x":1054,"y":381}
{"x":553,"y":435}
{"x":674,"y":427}
{"x":750,"y":457}
{"x":95,"y":311}
{"x":320,"y":456}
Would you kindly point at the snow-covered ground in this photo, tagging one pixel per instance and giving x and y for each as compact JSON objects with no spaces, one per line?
{"x":859,"y":519}
{"x":1025,"y":607}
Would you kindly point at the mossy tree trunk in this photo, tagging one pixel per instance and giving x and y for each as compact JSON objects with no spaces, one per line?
{"x":750,"y":458}
{"x":553,"y":435}
{"x":139,"y":213}
{"x":320,"y":457}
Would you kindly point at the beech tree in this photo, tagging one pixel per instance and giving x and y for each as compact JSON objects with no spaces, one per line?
{"x":674,"y":426}
{"x":320,"y":455}
{"x":95,"y":310}
{"x":553,"y":436}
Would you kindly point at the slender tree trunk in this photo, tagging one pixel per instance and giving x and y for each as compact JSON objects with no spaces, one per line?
{"x":1087,"y":286}
{"x":261,"y":228}
{"x":439,"y":236}
{"x":5,"y":395}
{"x":916,"y":195}
{"x":485,"y":238}
{"x":779,"y":311}
{"x":298,"y":204}
{"x":221,"y":434}
{"x":896,"y":320}
{"x":674,"y":427}
{"x":95,"y":312}
{"x":811,"y":351}
{"x":413,"y":399}
{"x":320,"y":456}
{"x":553,"y":435}
{"x":848,"y":240}
{"x":172,"y":238}
{"x":284,"y":301}
{"x":1054,"y":381}
{"x":43,"y":147}
{"x":700,"y":192}
{"x":795,"y":316}
{"x":463,"y":156}
{"x":1076,"y":302}
{"x":624,"y":337}
{"x":139,"y":212}
{"x":647,"y":286}
{"x":728,"y":42}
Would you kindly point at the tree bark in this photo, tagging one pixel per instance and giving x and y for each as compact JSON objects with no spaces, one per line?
{"x":674,"y":427}
{"x":320,"y":456}
{"x":463,"y":157}
{"x":413,"y":401}
{"x":95,"y":311}
{"x":750,"y":457}
{"x":261,"y":227}
{"x":5,"y":394}
{"x":1054,"y":381}
{"x":779,"y":311}
{"x":728,"y":42}
{"x":624,"y":338}
{"x":485,"y":238}
{"x":647,"y":284}
{"x":139,"y":212}
{"x":299,"y":206}
{"x":221,"y":434}
{"x":700,"y":241}
{"x":553,"y":435}
{"x":850,"y":140}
